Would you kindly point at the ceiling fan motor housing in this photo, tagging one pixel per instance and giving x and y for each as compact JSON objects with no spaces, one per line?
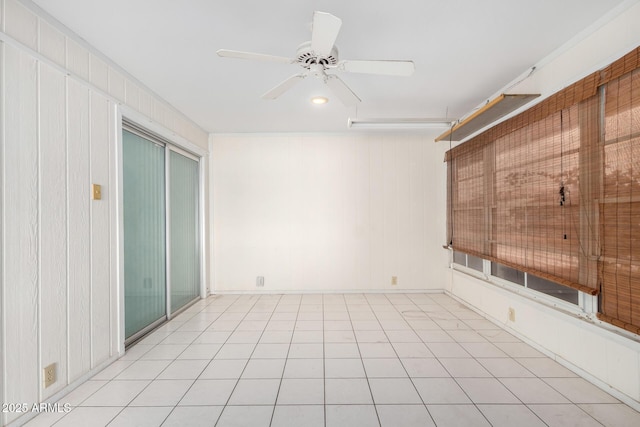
{"x":306,"y":57}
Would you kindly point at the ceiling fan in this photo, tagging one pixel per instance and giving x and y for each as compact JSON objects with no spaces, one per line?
{"x":319,"y":56}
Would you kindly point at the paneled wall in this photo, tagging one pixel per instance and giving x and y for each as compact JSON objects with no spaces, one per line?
{"x":328,"y":212}
{"x":56,"y":142}
{"x":59,"y":111}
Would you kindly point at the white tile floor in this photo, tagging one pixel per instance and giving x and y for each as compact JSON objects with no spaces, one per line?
{"x":336,"y":360}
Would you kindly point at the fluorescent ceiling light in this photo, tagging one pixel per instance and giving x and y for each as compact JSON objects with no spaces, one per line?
{"x":415,"y":123}
{"x":318,"y":100}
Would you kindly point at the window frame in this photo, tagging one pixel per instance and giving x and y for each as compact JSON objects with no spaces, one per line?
{"x":587,"y":304}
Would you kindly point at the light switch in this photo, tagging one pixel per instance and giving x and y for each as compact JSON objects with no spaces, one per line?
{"x":96,"y":191}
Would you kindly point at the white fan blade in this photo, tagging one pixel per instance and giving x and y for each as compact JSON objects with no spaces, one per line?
{"x":390,"y":68}
{"x":342,"y":91}
{"x":250,"y":55}
{"x":324,"y":32}
{"x":283,"y":87}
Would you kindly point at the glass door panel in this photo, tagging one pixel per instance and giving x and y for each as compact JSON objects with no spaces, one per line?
{"x":144,"y":233}
{"x":184,"y":239}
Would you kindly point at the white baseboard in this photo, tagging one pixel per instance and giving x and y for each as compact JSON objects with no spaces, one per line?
{"x":321,"y":292}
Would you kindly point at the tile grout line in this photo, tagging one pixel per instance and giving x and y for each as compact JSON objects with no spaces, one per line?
{"x":286,"y":360}
{"x":472,"y":357}
{"x":398,"y":356}
{"x":189,"y":345}
{"x":175,"y":359}
{"x":362,"y":361}
{"x":213,"y":358}
{"x":206,"y":365}
{"x":324,"y":370}
{"x":492,"y":376}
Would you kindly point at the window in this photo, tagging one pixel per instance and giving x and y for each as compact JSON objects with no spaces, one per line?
{"x":517,"y":277}
{"x":552,"y":196}
{"x":475,"y":263}
{"x":507,"y":273}
{"x":460,"y":258}
{"x":469,"y":261}
{"x":553,"y":289}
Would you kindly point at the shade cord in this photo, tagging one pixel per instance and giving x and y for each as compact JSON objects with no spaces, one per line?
{"x":450,"y":167}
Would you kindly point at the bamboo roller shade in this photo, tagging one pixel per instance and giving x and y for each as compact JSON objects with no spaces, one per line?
{"x":555,"y":190}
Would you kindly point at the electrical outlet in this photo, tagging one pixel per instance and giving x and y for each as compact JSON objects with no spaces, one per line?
{"x":394,"y":280}
{"x":512,"y":314}
{"x":260,"y":281}
{"x":49,"y":375}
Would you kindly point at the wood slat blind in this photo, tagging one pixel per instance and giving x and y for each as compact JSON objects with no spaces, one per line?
{"x":517,"y":199}
{"x":555,"y":190}
{"x":620,"y":206}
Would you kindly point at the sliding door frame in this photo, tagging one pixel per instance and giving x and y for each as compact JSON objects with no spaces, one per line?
{"x":130,"y":119}
{"x":167,"y":165}
{"x":151,"y":139}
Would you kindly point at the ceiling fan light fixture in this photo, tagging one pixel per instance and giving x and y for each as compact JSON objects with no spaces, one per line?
{"x":413,"y":123}
{"x":319,"y":100}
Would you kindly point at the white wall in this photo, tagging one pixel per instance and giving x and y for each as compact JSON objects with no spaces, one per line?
{"x":59,"y":112}
{"x":607,"y":358}
{"x":347,"y":212}
{"x":327,"y":212}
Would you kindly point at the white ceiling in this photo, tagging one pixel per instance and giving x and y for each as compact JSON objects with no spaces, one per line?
{"x":464,"y":51}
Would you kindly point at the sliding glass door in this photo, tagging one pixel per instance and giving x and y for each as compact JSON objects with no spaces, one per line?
{"x":161,"y":231}
{"x":184,"y":242}
{"x":144,"y":233}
